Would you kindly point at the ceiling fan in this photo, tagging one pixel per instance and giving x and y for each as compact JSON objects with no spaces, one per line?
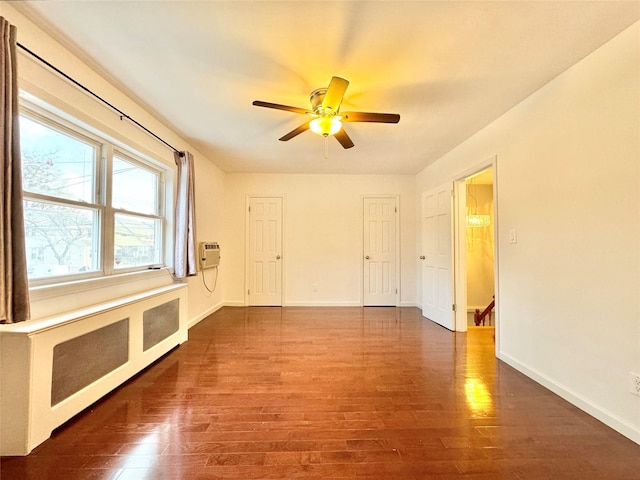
{"x":326,"y":118}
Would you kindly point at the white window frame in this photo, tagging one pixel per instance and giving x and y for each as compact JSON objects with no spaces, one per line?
{"x":106,"y":149}
{"x":111,"y":211}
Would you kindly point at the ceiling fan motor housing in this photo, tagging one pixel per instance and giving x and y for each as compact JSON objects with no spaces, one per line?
{"x":316,"y":98}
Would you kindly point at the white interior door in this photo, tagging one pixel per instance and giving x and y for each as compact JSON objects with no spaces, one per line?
{"x":437,"y":258}
{"x":265,"y":251}
{"x":380,"y":256}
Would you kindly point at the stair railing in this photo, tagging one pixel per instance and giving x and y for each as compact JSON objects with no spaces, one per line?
{"x":480,"y":317}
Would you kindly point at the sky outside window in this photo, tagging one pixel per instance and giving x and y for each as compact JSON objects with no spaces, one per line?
{"x":56,"y":164}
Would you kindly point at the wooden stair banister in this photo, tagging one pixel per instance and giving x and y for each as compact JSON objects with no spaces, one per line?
{"x":480,"y":317}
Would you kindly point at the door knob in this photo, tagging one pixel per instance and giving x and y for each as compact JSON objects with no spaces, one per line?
{"x":422,"y":257}
{"x":278,"y":257}
{"x":367,"y":257}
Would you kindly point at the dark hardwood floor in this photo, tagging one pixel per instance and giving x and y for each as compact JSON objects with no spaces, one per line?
{"x":366,"y":393}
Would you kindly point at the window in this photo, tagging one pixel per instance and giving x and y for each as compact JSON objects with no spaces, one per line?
{"x":137,"y":223}
{"x":91,"y":208}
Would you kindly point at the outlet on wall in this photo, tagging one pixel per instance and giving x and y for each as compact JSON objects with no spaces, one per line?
{"x":635,"y":384}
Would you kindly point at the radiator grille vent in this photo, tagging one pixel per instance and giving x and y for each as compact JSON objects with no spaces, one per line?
{"x":76,"y":364}
{"x":160,"y":322}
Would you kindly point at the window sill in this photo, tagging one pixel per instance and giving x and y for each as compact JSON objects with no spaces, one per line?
{"x":42,"y":292}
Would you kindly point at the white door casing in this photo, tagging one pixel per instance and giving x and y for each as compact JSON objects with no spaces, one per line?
{"x":265,"y":251}
{"x":380,"y":284}
{"x":437,"y":256}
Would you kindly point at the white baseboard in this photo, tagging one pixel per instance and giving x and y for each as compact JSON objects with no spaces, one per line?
{"x":205,"y":314}
{"x":329,"y":303}
{"x":238,"y":303}
{"x":292,"y":304}
{"x":409,"y":304}
{"x":605,"y":416}
{"x":323,"y":303}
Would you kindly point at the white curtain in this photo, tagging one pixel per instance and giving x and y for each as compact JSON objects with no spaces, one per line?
{"x":185,"y":255}
{"x":14,"y":284}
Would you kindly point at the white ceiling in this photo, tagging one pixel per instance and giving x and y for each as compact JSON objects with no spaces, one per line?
{"x":448,"y":68}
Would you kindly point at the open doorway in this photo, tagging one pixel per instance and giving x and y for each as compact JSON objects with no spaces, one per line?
{"x":475,"y":246}
{"x":479,"y":249}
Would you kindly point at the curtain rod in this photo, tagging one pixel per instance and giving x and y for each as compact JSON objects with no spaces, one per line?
{"x":75,"y":82}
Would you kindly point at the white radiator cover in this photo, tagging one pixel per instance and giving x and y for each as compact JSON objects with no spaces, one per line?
{"x":27,"y":416}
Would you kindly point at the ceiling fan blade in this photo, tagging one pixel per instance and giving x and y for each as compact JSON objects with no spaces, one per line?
{"x":343,"y":138}
{"x":277,"y":106}
{"x":335,"y":93}
{"x":293,"y":133}
{"x":370,"y":117}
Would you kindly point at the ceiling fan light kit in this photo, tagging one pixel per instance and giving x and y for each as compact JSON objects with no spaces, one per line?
{"x":325,"y":126}
{"x":326,"y":119}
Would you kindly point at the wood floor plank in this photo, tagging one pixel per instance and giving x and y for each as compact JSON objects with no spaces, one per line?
{"x":339,"y":393}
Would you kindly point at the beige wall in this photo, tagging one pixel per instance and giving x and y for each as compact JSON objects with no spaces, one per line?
{"x":568,"y":182}
{"x":322,"y":234}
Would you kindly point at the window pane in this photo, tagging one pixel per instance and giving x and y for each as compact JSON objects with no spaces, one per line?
{"x":60,"y":240}
{"x":56,"y":164}
{"x":134,"y":188}
{"x":137,"y":241}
